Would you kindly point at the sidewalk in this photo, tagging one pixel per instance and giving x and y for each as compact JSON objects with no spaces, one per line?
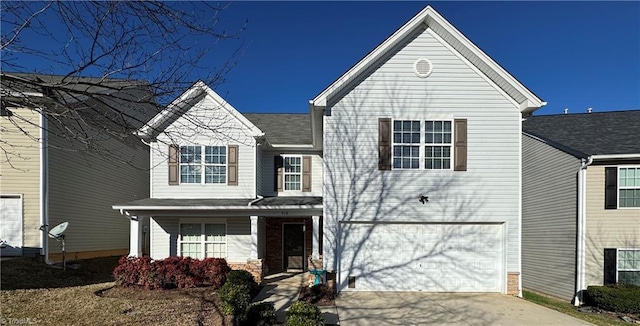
{"x":282,"y":289}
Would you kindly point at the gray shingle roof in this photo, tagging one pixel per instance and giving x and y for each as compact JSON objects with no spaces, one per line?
{"x":601,"y":133}
{"x":283,"y":128}
{"x":222,"y":202}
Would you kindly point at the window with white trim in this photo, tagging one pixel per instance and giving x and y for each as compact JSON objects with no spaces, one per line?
{"x":203,"y":164}
{"x":422,"y":144}
{"x":292,"y":172}
{"x":203,"y":240}
{"x":629,"y":187}
{"x":628,"y":266}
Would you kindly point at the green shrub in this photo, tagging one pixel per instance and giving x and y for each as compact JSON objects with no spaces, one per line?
{"x":259,"y":314}
{"x":235,"y":298}
{"x":618,"y":298}
{"x":303,"y":314}
{"x":242,"y":277}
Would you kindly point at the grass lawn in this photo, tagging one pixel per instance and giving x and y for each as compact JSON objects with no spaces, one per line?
{"x":569,"y":309}
{"x":32,"y":292}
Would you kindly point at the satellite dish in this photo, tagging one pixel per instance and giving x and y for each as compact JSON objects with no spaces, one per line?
{"x":57,"y":231}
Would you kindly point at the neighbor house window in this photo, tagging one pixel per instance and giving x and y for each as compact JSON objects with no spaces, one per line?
{"x":203,"y":240}
{"x":629,"y":266}
{"x":292,"y":172}
{"x":203,"y":164}
{"x":422,"y":143}
{"x":629,"y":187}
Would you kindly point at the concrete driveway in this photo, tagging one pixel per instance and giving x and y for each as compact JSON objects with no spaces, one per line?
{"x":420,"y":308}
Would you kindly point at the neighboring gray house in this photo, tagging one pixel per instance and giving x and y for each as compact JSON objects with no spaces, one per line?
{"x":422,"y":150}
{"x":47,"y":176}
{"x":580,"y":202}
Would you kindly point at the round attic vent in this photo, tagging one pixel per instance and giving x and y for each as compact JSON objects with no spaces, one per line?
{"x":423,"y":67}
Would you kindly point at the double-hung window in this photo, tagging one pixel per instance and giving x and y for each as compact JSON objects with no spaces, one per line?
{"x":203,"y":240}
{"x":628,"y":266}
{"x":422,"y":144}
{"x":292,"y":172}
{"x":203,"y":164}
{"x":629,"y":187}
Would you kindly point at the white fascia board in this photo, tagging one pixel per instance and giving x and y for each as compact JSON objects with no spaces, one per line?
{"x":615,"y":157}
{"x":294,"y":146}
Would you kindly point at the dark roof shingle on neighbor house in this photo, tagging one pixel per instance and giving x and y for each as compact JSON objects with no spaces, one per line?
{"x":597,"y":133}
{"x":283,"y":128}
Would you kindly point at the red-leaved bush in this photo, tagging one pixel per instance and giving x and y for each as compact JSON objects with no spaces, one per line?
{"x":173,"y":272}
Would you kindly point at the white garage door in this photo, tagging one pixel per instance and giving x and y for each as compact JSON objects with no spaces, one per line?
{"x":421,"y":257}
{"x":11,"y":226}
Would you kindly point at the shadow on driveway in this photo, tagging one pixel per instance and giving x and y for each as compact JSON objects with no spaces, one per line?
{"x":420,"y":308}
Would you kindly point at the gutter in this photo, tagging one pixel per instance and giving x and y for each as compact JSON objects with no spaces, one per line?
{"x":259,"y":198}
{"x":44,"y":189}
{"x":582,"y":225}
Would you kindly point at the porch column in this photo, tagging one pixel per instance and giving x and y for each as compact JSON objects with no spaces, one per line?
{"x":315,"y":254}
{"x":135,"y":237}
{"x":254,"y":237}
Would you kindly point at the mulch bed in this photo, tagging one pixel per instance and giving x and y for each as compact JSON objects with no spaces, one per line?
{"x":320,"y":295}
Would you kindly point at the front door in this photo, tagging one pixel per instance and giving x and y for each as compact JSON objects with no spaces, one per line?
{"x":293,"y":246}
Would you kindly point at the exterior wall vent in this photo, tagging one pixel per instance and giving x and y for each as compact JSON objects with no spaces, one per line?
{"x":422,"y":67}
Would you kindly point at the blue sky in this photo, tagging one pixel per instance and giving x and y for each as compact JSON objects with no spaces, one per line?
{"x":571,"y":54}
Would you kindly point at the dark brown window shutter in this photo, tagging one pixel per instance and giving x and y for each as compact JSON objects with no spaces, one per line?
{"x":610,"y":187}
{"x":384,"y":144}
{"x":278,"y":172}
{"x":306,"y":173}
{"x":174,"y":165}
{"x":610,"y":265}
{"x":232,"y":165}
{"x":460,"y":145}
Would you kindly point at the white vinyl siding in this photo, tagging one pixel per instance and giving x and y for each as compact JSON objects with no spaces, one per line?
{"x":489,"y":191}
{"x":221,"y":130}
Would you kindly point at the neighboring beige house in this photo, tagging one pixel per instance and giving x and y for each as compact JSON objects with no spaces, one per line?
{"x":581,"y":202}
{"x":47,"y":179}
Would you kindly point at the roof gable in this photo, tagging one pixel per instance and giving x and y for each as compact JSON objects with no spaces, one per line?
{"x":602,"y":133}
{"x":185,"y":102}
{"x":429,"y":18}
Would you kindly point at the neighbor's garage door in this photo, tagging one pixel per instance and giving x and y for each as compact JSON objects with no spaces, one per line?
{"x":11,"y":226}
{"x":421,"y":257}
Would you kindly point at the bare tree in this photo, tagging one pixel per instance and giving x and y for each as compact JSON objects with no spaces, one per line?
{"x":106,"y":67}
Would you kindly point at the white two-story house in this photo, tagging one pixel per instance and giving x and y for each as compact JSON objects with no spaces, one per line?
{"x":405,"y":175}
{"x":247,"y":188}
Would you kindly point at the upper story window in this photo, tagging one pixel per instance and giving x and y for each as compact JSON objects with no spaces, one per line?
{"x":203,"y":164}
{"x":629,"y":187}
{"x":292,"y":172}
{"x":422,"y":143}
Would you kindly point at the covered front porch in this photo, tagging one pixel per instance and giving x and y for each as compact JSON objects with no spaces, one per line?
{"x":263,"y":236}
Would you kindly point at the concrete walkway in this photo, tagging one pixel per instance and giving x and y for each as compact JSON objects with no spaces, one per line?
{"x":420,"y":308}
{"x":282,"y":289}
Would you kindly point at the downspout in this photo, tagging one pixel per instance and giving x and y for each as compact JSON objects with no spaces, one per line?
{"x":258,"y":198}
{"x":44,"y":189}
{"x":581,"y":236}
